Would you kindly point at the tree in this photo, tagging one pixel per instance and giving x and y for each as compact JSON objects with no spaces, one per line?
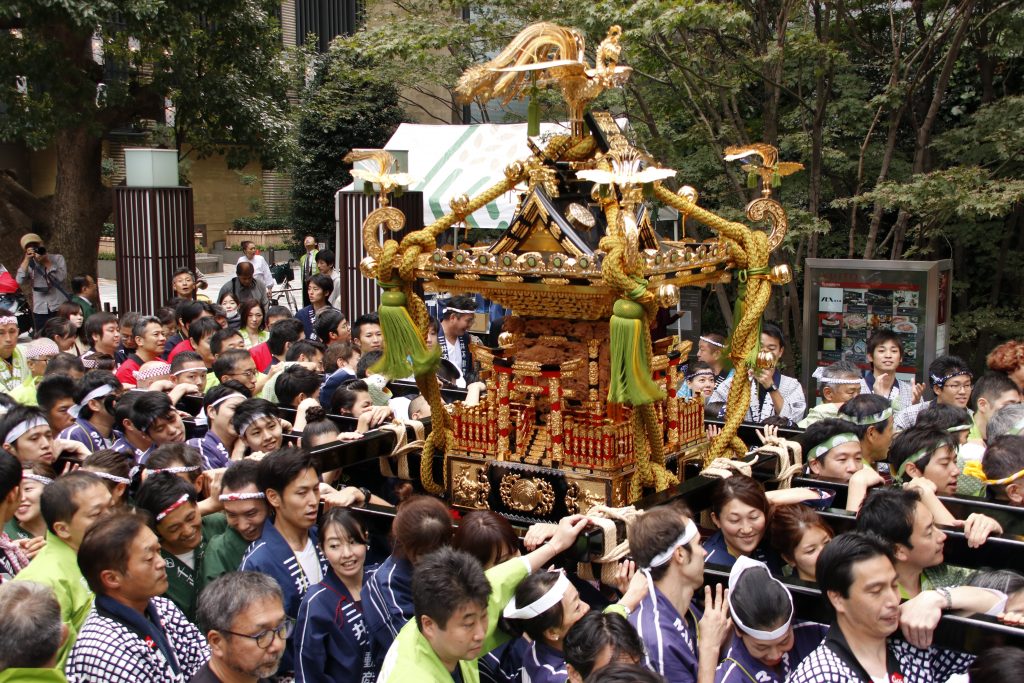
{"x":346,"y":105}
{"x":75,"y":71}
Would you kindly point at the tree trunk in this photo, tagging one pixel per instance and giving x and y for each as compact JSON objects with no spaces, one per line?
{"x":81,"y":203}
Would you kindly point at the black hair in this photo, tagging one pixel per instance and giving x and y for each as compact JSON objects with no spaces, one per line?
{"x":463,"y":303}
{"x":160,"y":491}
{"x":94,"y":324}
{"x":304,"y":347}
{"x":528,"y":591}
{"x":107,"y":545}
{"x":278,"y":312}
{"x":991,"y":386}
{"x":997,"y":665}
{"x":221,"y":336}
{"x":325,"y":255}
{"x":834,"y":568}
{"x":443,"y":582}
{"x":148,"y":407}
{"x":216,"y":393}
{"x":327,"y":322}
{"x":760,"y":602}
{"x":183,"y":357}
{"x":907,"y":443}
{"x":775,"y":332}
{"x":204,"y":327}
{"x":821,"y":431}
{"x":128,"y":319}
{"x":317,"y":424}
{"x":239,"y":474}
{"x":296,"y":380}
{"x":1003,"y":580}
{"x":94,"y":379}
{"x":181,"y":270}
{"x":53,"y":388}
{"x":57,"y":326}
{"x":246,"y":307}
{"x":189,"y":310}
{"x":176,"y":455}
{"x":16,"y":416}
{"x":57,"y":503}
{"x":283,"y":466}
{"x":226,"y":361}
{"x":861,"y":407}
{"x":345,"y":396}
{"x":79,"y":283}
{"x":245,"y":410}
{"x":62,"y":364}
{"x":943,"y":366}
{"x":889,"y":514}
{"x":366,"y":361}
{"x":109,"y":461}
{"x":10,"y":473}
{"x":364,"y":319}
{"x":620,"y":672}
{"x":596,"y":631}
{"x":351,"y":524}
{"x":323,"y":282}
{"x":166,"y":316}
{"x":880,"y":336}
{"x":943,"y":416}
{"x":282,"y":333}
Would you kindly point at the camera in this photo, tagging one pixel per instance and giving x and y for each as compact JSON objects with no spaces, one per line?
{"x":41,"y":250}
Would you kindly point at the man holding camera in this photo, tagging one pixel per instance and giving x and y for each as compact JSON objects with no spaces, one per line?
{"x":47,"y":273}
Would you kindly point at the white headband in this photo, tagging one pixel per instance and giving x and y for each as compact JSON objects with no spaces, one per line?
{"x":19,"y":429}
{"x":689,"y":533}
{"x":542,"y":604}
{"x":712,"y":342}
{"x":251,"y":421}
{"x":176,"y":470}
{"x":8,"y":320}
{"x":182,"y":372}
{"x":224,"y":398}
{"x":822,"y":449}
{"x":457,"y":310}
{"x":45,"y":481}
{"x":98,"y":392}
{"x":819,"y":375}
{"x":742,"y":564}
{"x":249,"y":495}
{"x":112,"y":477}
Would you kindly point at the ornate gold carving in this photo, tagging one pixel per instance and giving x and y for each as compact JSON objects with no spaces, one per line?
{"x":386,"y":216}
{"x":470,"y":486}
{"x":764,"y":208}
{"x":527,"y":494}
{"x":579,"y":500}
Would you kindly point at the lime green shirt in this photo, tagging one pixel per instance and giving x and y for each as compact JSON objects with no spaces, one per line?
{"x":56,"y":566}
{"x":32,"y":676}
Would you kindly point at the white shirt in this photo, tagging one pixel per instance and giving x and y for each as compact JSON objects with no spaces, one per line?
{"x":310,"y":563}
{"x":261,"y":268}
{"x":188,"y":558}
{"x":454,"y":352}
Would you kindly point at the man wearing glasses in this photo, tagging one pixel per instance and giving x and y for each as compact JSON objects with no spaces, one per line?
{"x":242,"y":615}
{"x":950,"y":379}
{"x":131,"y":635}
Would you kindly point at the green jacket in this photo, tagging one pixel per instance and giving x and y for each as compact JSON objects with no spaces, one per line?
{"x":223,"y":555}
{"x":87,"y":307}
{"x":184,"y":583}
{"x":32,"y":676}
{"x":412,"y":659}
{"x":25,"y":393}
{"x":15,"y":532}
{"x":56,"y":566}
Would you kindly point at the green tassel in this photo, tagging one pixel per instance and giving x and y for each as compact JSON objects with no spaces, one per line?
{"x":631,"y":381}
{"x":402,"y":341}
{"x":533,"y":117}
{"x":776,"y":180}
{"x":752,"y":180}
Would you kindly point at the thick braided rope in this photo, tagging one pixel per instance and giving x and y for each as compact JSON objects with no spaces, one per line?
{"x":749,"y":249}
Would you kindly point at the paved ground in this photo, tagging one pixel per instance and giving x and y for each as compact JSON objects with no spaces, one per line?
{"x":108,"y":288}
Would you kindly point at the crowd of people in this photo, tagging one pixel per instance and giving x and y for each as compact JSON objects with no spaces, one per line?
{"x":143,"y":543}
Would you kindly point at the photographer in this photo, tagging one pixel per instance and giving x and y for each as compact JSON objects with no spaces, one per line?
{"x":47,"y":273}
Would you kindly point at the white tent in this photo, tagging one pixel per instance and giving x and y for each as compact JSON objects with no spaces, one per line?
{"x":449,"y":161}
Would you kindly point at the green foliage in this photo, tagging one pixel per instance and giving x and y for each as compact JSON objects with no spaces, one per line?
{"x":346,"y":105}
{"x":259,"y":223}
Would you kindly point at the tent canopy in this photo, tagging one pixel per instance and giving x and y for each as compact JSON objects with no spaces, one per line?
{"x":449,"y":161}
